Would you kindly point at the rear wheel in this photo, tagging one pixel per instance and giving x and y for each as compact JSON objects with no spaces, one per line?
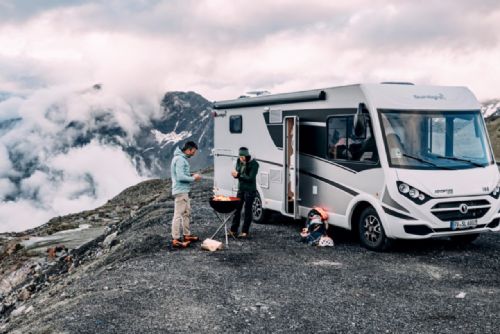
{"x":371,"y":231}
{"x":464,"y":239}
{"x":259,"y":214}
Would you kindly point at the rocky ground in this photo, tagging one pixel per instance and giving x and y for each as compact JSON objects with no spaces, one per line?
{"x":127,"y":280}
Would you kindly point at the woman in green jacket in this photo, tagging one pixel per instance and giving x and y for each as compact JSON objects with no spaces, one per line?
{"x":246,"y":172}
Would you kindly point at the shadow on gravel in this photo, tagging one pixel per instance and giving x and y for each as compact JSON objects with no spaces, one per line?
{"x":235,"y":259}
{"x":343,"y":237}
{"x":432,"y":245}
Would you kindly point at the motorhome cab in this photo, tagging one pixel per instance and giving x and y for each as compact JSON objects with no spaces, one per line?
{"x":390,"y":160}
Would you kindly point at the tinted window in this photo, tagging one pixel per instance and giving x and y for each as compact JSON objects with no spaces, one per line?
{"x":435,"y":139}
{"x":344,"y":145}
{"x":235,"y":124}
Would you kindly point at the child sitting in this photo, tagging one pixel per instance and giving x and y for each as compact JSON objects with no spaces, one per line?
{"x":315,"y":231}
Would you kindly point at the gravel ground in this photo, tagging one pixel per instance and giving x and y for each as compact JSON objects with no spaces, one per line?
{"x":270,"y":283}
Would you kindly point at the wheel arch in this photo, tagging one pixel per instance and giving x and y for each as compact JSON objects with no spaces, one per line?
{"x":358,"y":205}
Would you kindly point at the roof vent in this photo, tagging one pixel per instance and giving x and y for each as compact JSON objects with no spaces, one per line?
{"x":397,"y":83}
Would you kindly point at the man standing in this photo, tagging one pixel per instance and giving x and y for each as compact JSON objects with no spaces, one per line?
{"x":181,"y":184}
{"x":246,"y":173}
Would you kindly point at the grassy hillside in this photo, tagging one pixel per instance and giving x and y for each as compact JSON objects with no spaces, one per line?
{"x":494,"y":131}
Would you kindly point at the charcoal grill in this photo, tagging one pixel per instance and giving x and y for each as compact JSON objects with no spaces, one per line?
{"x":224,"y":210}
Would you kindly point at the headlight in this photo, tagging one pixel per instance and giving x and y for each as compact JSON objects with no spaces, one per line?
{"x":403,"y":188}
{"x":496,"y":192}
{"x":413,"y":193}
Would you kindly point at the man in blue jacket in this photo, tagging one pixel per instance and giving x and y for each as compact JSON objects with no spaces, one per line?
{"x":181,"y":185}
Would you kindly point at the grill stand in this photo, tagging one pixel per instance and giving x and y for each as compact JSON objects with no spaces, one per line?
{"x":224,"y":218}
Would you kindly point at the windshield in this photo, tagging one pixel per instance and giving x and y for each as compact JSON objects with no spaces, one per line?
{"x":435,"y":139}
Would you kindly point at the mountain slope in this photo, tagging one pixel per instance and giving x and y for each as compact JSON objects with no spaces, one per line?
{"x":127,"y":280}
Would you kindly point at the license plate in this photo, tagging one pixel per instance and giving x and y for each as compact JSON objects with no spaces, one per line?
{"x":462,"y":224}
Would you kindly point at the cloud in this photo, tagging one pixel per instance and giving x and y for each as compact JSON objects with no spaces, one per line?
{"x":70,"y":182}
{"x":46,"y":161}
{"x":216,"y":47}
{"x":7,"y":188}
{"x":22,"y":214}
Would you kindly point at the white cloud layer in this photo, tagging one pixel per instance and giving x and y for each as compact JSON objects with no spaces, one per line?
{"x":78,"y":180}
{"x":222,"y":48}
{"x":49,"y":168}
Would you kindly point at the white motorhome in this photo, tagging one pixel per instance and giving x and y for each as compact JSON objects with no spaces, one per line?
{"x":390,"y":160}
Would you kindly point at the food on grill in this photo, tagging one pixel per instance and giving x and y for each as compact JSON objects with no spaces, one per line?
{"x":224,"y":204}
{"x":224,"y":198}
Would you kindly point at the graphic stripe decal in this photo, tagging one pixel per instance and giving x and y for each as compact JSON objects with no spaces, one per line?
{"x":397,"y":214}
{"x":330,"y":182}
{"x":301,"y":171}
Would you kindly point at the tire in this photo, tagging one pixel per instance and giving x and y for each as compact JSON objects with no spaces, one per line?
{"x":259,"y":214}
{"x":371,"y":232}
{"x":464,"y":239}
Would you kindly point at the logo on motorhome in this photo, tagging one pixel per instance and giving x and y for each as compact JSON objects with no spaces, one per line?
{"x":444,"y":191}
{"x":430,"y":97}
{"x":463,"y":208}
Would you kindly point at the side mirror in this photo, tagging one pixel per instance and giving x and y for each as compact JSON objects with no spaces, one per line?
{"x":359,"y":123}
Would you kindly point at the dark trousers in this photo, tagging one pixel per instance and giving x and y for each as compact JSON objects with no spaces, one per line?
{"x":247,"y":198}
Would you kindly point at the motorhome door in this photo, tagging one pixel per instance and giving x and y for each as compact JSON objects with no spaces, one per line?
{"x":291,"y":166}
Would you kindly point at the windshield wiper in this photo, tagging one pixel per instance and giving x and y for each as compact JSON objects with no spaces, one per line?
{"x":425,"y":161}
{"x":459,"y":159}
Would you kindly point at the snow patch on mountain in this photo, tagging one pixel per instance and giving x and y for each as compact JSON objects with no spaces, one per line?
{"x":489,"y":108}
{"x":171,"y":137}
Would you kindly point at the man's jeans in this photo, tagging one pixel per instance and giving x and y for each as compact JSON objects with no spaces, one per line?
{"x":247,"y":198}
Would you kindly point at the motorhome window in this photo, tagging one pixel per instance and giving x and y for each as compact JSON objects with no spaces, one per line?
{"x":235,"y":124}
{"x":343,"y":144}
{"x":435,"y":139}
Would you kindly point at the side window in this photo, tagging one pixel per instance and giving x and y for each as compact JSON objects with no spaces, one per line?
{"x":235,"y":124}
{"x":344,"y":145}
{"x":337,"y":138}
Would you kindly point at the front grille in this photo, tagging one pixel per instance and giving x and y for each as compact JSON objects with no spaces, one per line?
{"x":448,"y":211}
{"x":451,"y":205}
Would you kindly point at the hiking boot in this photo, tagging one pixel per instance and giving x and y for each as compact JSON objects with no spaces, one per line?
{"x":176,"y":243}
{"x":232,"y":234}
{"x":191,"y":238}
{"x":243,"y":235}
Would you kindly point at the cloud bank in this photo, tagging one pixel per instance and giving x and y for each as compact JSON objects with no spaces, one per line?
{"x":222,"y":48}
{"x":59,"y":154}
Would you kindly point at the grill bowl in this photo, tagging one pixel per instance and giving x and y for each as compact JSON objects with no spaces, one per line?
{"x":225,"y":206}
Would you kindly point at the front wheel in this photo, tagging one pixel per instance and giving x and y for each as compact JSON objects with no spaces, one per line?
{"x":259,"y":214}
{"x":371,"y":231}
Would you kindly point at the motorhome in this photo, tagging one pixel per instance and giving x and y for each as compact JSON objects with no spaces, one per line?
{"x":388,"y":161}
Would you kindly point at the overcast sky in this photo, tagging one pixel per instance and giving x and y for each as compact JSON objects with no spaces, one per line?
{"x":224,"y":48}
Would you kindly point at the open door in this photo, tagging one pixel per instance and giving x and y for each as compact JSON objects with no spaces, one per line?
{"x":291,"y":166}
